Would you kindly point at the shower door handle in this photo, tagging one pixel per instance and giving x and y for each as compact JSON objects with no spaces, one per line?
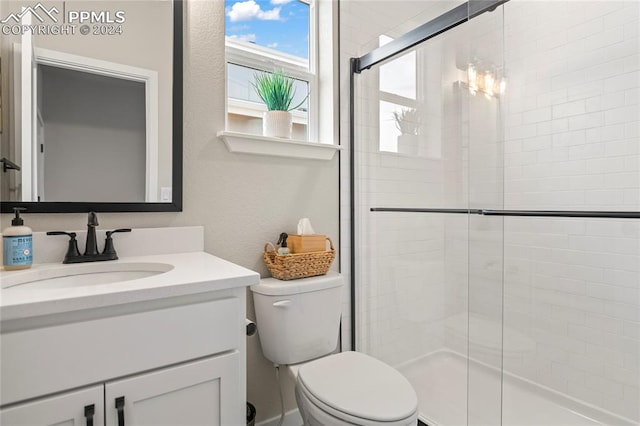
{"x":282,"y":303}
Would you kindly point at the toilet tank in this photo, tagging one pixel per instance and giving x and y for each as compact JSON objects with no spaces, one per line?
{"x":298,"y":320}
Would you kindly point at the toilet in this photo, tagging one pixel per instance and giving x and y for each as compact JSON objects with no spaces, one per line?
{"x":298,"y":323}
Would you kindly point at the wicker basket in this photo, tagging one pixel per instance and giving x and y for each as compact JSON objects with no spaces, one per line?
{"x":298,"y":265}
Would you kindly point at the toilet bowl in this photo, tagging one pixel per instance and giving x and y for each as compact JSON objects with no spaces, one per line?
{"x":298,"y":323}
{"x":353,"y":388}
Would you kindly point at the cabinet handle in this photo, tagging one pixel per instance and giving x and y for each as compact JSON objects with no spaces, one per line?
{"x":89,"y":411}
{"x":120,"y":408}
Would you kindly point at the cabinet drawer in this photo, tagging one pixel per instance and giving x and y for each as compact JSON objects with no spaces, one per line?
{"x":46,"y":360}
{"x":200,"y":393}
{"x":65,"y":409}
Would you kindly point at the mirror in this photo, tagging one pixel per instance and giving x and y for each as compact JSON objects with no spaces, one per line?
{"x":91,"y":105}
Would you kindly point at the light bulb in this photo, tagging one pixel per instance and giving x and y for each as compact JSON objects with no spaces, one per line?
{"x":472,"y":77}
{"x":488,"y":84}
{"x":503,"y":86}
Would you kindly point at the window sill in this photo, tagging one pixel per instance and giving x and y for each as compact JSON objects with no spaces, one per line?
{"x":276,"y":147}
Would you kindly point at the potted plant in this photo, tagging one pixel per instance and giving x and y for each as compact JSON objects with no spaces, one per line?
{"x":277,"y":92}
{"x":407,"y":121}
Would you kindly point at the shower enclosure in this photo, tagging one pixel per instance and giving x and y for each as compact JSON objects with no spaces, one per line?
{"x":496,"y":210}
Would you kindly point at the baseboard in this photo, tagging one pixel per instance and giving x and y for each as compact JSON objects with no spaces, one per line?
{"x":291,"y":418}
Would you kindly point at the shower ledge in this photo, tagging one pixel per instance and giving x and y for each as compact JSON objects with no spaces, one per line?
{"x":277,"y":147}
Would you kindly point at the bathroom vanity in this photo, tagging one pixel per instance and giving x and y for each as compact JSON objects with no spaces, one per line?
{"x":153,"y":338}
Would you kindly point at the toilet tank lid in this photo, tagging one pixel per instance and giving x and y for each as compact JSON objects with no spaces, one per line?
{"x":274,"y":287}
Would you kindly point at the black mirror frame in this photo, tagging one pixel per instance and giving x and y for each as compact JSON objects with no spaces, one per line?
{"x":176,"y":202}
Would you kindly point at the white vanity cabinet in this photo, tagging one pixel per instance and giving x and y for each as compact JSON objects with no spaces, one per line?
{"x":178,"y":361}
{"x":170,"y":345}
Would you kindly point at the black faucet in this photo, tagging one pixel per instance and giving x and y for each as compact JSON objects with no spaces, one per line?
{"x":91,"y":247}
{"x":91,"y":253}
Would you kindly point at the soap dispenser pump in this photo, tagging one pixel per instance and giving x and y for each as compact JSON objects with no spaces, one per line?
{"x":17,"y":244}
{"x":282,"y":241}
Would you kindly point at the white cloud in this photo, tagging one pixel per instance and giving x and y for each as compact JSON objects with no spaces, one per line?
{"x":272,"y":45}
{"x":278,"y":2}
{"x":248,"y":10}
{"x":238,"y":28}
{"x":251,"y":38}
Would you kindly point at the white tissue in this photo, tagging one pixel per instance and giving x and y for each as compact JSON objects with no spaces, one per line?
{"x":304,"y":227}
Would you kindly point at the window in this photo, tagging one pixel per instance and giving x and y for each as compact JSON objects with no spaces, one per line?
{"x":410,"y":91}
{"x":398,"y":103}
{"x":268,"y":35}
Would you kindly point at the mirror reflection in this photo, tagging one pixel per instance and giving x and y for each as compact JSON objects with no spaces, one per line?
{"x":86,"y":101}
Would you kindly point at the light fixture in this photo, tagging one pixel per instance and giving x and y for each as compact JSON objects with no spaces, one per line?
{"x":486,"y":82}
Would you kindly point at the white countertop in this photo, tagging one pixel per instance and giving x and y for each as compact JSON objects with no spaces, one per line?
{"x":193,"y":272}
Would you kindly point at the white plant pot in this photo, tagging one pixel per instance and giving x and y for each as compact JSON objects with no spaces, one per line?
{"x":408,"y":144}
{"x":277,"y":124}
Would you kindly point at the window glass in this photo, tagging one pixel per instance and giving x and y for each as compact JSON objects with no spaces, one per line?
{"x":389,"y":131}
{"x":399,"y":75}
{"x":241,"y":81}
{"x":245,"y":106}
{"x":278,"y":25}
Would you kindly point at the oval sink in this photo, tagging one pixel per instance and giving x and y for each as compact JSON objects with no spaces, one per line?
{"x":81,"y":275}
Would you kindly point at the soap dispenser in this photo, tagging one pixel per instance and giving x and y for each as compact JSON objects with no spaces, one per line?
{"x":17,"y":244}
{"x":283,"y":250}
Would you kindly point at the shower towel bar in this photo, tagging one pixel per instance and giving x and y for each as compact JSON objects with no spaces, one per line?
{"x":420,"y":210}
{"x":524,"y":213}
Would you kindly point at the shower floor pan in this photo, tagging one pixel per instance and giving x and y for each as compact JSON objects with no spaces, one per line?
{"x":440,"y":379}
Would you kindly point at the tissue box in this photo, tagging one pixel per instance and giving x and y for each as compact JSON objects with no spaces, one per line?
{"x":307,"y":243}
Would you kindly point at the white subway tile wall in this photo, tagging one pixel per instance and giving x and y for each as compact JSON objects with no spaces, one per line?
{"x":570,"y":118}
{"x":553,"y":301}
{"x":571,"y":108}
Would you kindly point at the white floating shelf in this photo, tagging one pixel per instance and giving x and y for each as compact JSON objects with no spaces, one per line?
{"x":277,"y":147}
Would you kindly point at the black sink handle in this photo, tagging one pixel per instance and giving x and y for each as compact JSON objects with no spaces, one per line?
{"x":109,"y":250}
{"x":71,"y":235}
{"x":72,"y":250}
{"x":117,"y":230}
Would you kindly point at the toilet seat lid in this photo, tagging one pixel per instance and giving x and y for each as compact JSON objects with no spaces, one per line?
{"x":360,"y":386}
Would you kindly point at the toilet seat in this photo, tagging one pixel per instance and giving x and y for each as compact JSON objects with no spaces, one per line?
{"x":358,"y":389}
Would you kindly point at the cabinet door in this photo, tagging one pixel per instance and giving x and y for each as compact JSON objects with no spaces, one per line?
{"x":68,"y":409}
{"x":199,"y":393}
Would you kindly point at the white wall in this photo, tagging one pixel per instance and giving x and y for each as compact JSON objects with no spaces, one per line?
{"x":241,"y":200}
{"x":144,"y":43}
{"x":92,"y":125}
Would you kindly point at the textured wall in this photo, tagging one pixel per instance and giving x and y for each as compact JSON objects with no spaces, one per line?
{"x":241,"y":200}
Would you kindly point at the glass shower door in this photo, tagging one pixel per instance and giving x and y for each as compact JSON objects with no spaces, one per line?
{"x":572,"y":297}
{"x":412,"y":287}
{"x":429,"y":284}
{"x":485,"y":81}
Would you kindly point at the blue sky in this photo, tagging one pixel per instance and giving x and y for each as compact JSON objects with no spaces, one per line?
{"x":282,"y":25}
